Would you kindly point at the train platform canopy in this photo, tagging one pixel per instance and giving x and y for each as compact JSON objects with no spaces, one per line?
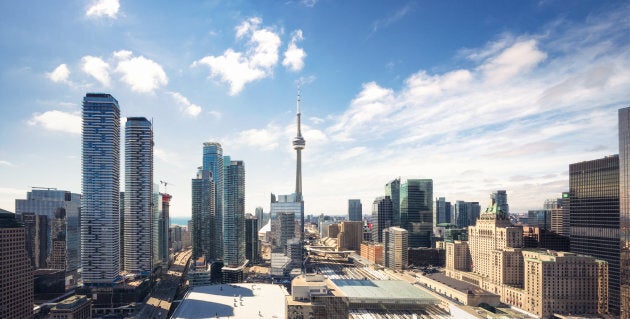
{"x":383,"y":292}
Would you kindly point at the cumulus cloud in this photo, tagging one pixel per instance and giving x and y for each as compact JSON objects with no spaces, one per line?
{"x":254,"y":63}
{"x":518,"y":58}
{"x":59,"y":74}
{"x":57,"y":121}
{"x":265,"y":139}
{"x":103,"y":8}
{"x":187,"y":108}
{"x":141,"y":74}
{"x":294,"y":56}
{"x":97,"y":68}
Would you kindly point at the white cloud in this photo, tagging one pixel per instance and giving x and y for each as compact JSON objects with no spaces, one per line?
{"x":188,"y":108}
{"x":59,"y":74}
{"x":308,"y":3}
{"x":7,"y":163}
{"x":57,"y":121}
{"x":266,"y":139}
{"x":255,"y":63}
{"x":102,"y":8}
{"x":294,"y":56}
{"x":141,"y":74}
{"x":97,"y":68}
{"x":518,"y":58}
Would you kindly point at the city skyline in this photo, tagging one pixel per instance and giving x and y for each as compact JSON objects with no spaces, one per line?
{"x":503,"y":97}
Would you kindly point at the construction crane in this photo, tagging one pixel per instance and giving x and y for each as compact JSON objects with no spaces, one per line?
{"x":165,"y":183}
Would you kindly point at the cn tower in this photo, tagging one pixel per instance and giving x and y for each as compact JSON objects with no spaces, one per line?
{"x":298,"y":146}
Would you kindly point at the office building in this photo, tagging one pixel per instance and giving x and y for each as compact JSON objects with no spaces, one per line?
{"x":442,"y":211}
{"x":350,"y":236}
{"x":416,"y":211}
{"x":539,"y":218}
{"x":203,"y":216}
{"x":466,"y":213}
{"x":560,"y":223}
{"x":252,"y":245}
{"x":100,"y":218}
{"x":392,"y":189}
{"x":164,"y":224}
{"x":382,"y":217}
{"x":372,"y":252}
{"x":355,"y":210}
{"x":500,"y":197}
{"x":594,"y":217}
{"x":51,"y":219}
{"x":262,"y":217}
{"x":284,"y":204}
{"x":213,"y":162}
{"x":234,"y":217}
{"x":286,"y":230}
{"x":73,"y":307}
{"x":624,"y":210}
{"x":138,"y":217}
{"x":395,"y":242}
{"x":16,"y":274}
{"x":175,"y":237}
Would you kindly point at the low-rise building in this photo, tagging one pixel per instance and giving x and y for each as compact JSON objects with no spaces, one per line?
{"x":74,"y":307}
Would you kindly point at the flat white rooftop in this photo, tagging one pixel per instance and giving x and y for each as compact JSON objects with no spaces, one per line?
{"x":245,"y":301}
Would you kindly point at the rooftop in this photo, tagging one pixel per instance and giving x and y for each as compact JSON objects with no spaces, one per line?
{"x":395,"y":291}
{"x":458,"y":285}
{"x":244,"y":301}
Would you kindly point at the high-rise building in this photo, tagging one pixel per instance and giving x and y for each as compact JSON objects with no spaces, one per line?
{"x":416,"y":211}
{"x":41,"y":213}
{"x":382,"y":217}
{"x":286,"y":229}
{"x":466,"y":213}
{"x":539,"y":218}
{"x":155,"y":225}
{"x":350,"y":236}
{"x":594,"y":217}
{"x":252,"y":245}
{"x":121,"y":226}
{"x":260,"y":215}
{"x":284,"y":204}
{"x":395,"y":240}
{"x":213,"y":162}
{"x":16,"y":274}
{"x":500,"y":197}
{"x":355,"y":210}
{"x":164,"y":224}
{"x":624,"y":210}
{"x":138,"y":217}
{"x":100,"y":218}
{"x":442,"y":211}
{"x":234,"y":217}
{"x":560,"y":215}
{"x":392,"y":189}
{"x":203,"y":216}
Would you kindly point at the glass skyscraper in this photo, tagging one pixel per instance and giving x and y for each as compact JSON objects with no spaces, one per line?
{"x":138,"y":216}
{"x":594,"y":216}
{"x":355,"y":210}
{"x":234,"y":218}
{"x":382,"y":215}
{"x":466,"y":213}
{"x":100,"y":218}
{"x":624,"y":209}
{"x":392,"y":189}
{"x":213,"y":162}
{"x":500,"y":197}
{"x":442,"y":213}
{"x":416,"y":211}
{"x":203,"y":211}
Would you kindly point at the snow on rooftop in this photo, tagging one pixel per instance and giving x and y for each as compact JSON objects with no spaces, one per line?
{"x":246,"y":301}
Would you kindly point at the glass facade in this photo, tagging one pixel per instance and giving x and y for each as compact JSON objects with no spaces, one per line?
{"x":392,"y":189}
{"x":138,"y":215}
{"x":213,"y":162}
{"x":53,"y":203}
{"x":466,"y":213}
{"x":203,"y":211}
{"x":624,"y":209}
{"x":234,"y":218}
{"x":416,"y":211}
{"x":382,"y":217}
{"x":100,"y":217}
{"x":594,"y":216}
{"x":442,"y":211}
{"x":500,"y":197}
{"x":285,"y":204}
{"x":355,"y":210}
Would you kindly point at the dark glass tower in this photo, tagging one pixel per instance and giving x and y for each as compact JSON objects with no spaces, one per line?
{"x":416,"y":211}
{"x":203,"y":209}
{"x":392,"y":189}
{"x":234,"y":219}
{"x":382,"y":215}
{"x":594,"y":216}
{"x":100,"y":210}
{"x":624,"y":209}
{"x":355,"y":210}
{"x":213,"y":162}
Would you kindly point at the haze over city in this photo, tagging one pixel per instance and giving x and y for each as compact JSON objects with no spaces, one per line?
{"x":477,"y":97}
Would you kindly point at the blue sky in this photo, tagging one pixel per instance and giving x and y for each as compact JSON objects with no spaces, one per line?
{"x":477,"y":95}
